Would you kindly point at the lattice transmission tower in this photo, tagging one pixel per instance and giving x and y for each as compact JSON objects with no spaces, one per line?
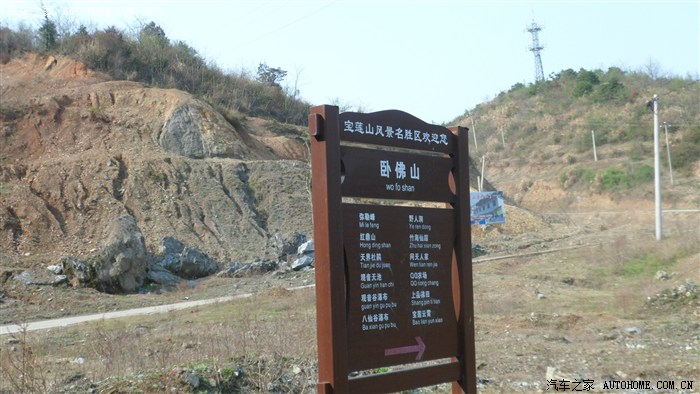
{"x":535,"y":48}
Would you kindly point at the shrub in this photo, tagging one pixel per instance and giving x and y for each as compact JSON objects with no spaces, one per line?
{"x":9,"y":112}
{"x":643,"y":174}
{"x":567,"y":74}
{"x":585,"y":81}
{"x":152,"y":59}
{"x":516,"y":86}
{"x":534,"y":89}
{"x":613,"y":178}
{"x":612,"y":90}
{"x":685,"y":154}
{"x":572,"y":176}
{"x":13,"y":43}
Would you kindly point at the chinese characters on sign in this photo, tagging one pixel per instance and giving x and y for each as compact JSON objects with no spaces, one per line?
{"x":375,"y":283}
{"x":399,"y":268}
{"x":394,"y":175}
{"x":399,"y":134}
{"x":399,"y":170}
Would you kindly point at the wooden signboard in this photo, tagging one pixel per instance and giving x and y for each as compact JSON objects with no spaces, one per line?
{"x":393,"y":282}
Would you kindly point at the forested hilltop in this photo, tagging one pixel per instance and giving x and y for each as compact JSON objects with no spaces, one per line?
{"x":149,"y":57}
{"x":545,"y":131}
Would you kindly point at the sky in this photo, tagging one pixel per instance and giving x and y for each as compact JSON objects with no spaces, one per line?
{"x":434,"y":59}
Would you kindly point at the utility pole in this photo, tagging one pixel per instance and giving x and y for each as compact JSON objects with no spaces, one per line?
{"x":503,"y":138}
{"x":668,"y":152}
{"x":483,"y":168}
{"x":657,"y":171}
{"x":476,"y":147}
{"x":595,"y":154}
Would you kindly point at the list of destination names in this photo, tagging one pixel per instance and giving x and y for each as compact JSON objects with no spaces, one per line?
{"x":377,"y":296}
{"x":423,"y":273}
{"x":399,"y":267}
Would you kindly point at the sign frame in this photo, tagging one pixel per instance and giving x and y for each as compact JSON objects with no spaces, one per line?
{"x":328,"y":128}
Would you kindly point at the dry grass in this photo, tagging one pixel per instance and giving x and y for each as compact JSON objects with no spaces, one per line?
{"x":262,"y":343}
{"x":21,"y":366}
{"x":267,"y":343}
{"x":592,"y":296}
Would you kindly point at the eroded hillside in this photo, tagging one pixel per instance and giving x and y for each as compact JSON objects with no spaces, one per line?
{"x":79,"y":150}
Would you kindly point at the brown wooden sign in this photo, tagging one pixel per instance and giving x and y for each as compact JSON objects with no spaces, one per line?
{"x":393,"y":283}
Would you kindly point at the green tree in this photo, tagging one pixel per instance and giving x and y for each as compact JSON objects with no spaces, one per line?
{"x":566,"y":75}
{"x":47,"y":32}
{"x":585,"y":81}
{"x":152,"y":53}
{"x":516,"y":86}
{"x":154,"y":32}
{"x":110,"y":52}
{"x":270,"y":75}
{"x":610,"y":90}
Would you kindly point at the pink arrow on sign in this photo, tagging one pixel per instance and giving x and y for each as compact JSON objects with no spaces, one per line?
{"x":419,"y":348}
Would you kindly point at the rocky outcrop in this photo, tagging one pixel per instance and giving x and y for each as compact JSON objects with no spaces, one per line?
{"x":194,"y":130}
{"x":40,"y":278}
{"x":255,"y":267}
{"x":305,"y":256}
{"x":81,"y":150}
{"x":287,"y":245}
{"x":162,"y":276}
{"x":122,"y":263}
{"x":80,"y":273}
{"x":182,"y":134}
{"x":185,"y":262}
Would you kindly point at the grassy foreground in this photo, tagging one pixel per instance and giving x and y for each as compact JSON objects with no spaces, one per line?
{"x":602,"y":312}
{"x":265,"y":343}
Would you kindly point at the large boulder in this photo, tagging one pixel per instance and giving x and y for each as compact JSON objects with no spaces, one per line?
{"x":161,"y":276}
{"x":305,"y":256}
{"x":184,"y":261}
{"x":287,"y":244}
{"x":303,"y":261}
{"x":40,"y":278}
{"x":122,"y":263}
{"x":306,"y":248}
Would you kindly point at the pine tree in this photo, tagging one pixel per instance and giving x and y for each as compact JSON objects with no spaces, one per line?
{"x":47,"y":32}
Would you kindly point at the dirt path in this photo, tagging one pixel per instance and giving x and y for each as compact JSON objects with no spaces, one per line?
{"x":67,"y":321}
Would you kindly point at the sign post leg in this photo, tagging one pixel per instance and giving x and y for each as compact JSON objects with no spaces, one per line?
{"x":463,"y":254}
{"x":329,"y":258}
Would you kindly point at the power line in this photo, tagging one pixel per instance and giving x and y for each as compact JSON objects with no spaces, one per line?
{"x":285,"y":26}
